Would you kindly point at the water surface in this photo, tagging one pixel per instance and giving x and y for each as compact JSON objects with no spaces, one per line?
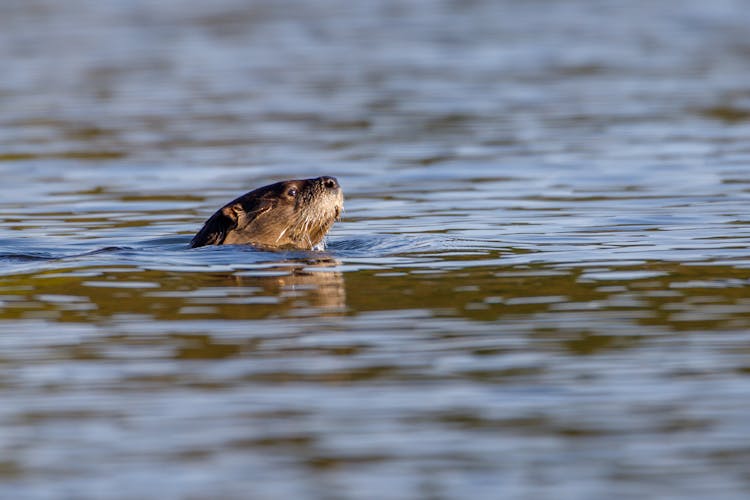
{"x":539,"y":288}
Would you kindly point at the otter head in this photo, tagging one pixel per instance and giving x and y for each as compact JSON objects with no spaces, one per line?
{"x":288,"y":214}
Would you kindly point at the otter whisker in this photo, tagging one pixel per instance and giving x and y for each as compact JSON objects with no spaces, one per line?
{"x":308,"y":221}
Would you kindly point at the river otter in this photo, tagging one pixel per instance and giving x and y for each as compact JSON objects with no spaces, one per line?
{"x":289,"y":214}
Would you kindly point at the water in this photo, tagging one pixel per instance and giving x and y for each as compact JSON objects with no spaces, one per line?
{"x":539,"y":288}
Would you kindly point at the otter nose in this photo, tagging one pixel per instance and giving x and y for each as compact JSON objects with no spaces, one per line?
{"x":330,"y":182}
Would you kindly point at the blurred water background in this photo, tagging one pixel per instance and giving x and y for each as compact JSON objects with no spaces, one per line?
{"x":540,"y":287}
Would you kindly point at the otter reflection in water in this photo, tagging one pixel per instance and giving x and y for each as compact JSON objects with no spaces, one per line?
{"x":302,"y":286}
{"x":290,"y":214}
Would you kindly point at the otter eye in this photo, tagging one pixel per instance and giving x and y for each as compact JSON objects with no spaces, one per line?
{"x":292,"y":192}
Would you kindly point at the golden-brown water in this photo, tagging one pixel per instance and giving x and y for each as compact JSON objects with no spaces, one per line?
{"x":540,"y":287}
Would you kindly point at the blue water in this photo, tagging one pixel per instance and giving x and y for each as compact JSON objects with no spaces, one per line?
{"x":539,"y":287}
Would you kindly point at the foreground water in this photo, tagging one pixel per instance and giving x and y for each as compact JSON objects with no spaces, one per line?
{"x":539,"y":288}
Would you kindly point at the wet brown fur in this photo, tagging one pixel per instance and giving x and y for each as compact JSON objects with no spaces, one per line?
{"x":288,"y":214}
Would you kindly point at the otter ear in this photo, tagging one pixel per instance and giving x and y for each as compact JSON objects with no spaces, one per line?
{"x":234,"y":212}
{"x":233,"y":217}
{"x":243,"y":215}
{"x":216,"y":228}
